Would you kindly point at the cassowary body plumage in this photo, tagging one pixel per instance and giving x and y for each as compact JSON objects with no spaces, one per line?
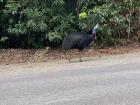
{"x":78,"y":40}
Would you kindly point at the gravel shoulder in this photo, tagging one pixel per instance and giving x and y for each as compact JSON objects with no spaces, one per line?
{"x":55,"y":65}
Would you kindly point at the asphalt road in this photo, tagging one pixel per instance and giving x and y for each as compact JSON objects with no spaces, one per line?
{"x":117,"y":84}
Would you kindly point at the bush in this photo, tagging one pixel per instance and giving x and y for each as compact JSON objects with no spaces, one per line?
{"x":32,"y":24}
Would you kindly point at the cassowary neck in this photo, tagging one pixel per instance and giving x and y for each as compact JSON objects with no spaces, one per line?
{"x":93,"y":36}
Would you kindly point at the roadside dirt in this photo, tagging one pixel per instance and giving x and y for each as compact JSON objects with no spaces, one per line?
{"x":55,"y":65}
{"x":8,"y":56}
{"x":91,"y":59}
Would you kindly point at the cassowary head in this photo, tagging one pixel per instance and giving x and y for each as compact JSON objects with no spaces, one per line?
{"x":94,"y":31}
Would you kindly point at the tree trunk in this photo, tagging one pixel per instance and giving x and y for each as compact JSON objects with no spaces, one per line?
{"x":78,"y":8}
{"x":129,"y":21}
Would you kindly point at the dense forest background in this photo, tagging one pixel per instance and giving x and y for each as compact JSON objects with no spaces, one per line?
{"x":40,"y":23}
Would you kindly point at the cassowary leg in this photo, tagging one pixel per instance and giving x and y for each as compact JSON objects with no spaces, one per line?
{"x":67,"y":57}
{"x":80,"y":58}
{"x":99,"y":55}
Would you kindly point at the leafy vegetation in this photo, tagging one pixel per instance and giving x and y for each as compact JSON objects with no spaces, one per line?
{"x":39,"y":23}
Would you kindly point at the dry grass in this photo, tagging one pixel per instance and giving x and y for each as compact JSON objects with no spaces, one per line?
{"x":44,"y":55}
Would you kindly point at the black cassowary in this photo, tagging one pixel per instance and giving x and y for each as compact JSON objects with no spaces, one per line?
{"x":79,"y":40}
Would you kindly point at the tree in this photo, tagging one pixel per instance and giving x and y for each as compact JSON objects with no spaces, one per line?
{"x":30,"y":24}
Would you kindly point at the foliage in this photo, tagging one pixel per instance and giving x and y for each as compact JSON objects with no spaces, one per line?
{"x":35,"y":24}
{"x":113,"y":17}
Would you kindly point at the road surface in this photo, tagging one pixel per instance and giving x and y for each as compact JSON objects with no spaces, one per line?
{"x":104,"y":81}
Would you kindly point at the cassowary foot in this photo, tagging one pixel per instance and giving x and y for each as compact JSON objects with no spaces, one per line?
{"x":69,"y":60}
{"x":80,"y":60}
{"x":99,"y":55}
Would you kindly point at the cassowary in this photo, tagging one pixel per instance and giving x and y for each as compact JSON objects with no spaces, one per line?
{"x":78,"y":40}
